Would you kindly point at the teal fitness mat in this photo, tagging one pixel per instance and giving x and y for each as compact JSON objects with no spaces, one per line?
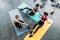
{"x":36,"y":17}
{"x":23,"y":5}
{"x":12,"y":14}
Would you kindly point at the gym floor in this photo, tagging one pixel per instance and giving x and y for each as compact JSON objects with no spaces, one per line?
{"x":7,"y":31}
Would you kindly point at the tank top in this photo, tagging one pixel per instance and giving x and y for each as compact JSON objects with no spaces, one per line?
{"x":35,"y":9}
{"x":44,"y":18}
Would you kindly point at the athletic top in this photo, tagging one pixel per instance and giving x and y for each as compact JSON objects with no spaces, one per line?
{"x":43,"y":18}
{"x":35,"y":9}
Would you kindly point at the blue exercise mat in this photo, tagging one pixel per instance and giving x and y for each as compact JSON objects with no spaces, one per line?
{"x":23,"y":5}
{"x":12,"y":14}
{"x":36,"y":17}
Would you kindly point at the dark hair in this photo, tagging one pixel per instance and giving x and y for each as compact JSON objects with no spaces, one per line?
{"x":16,"y":16}
{"x":45,"y":13}
{"x":37,"y":5}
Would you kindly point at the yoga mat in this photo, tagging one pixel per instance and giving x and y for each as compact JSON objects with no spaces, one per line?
{"x":12,"y":14}
{"x":35,"y":17}
{"x":40,"y":33}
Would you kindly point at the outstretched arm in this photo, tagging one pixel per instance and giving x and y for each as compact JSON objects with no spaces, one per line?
{"x":17,"y":21}
{"x":38,"y":10}
{"x":48,"y":21}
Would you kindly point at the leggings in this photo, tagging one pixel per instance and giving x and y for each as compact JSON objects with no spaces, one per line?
{"x":28,"y":8}
{"x":18,"y":25}
{"x":40,"y":23}
{"x":30,"y":13}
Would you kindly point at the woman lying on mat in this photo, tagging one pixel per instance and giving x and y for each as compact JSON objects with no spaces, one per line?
{"x":18,"y":23}
{"x":32,"y":11}
{"x":44,"y":17}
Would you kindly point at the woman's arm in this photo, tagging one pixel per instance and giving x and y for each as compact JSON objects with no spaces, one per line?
{"x":48,"y":21}
{"x":20,"y":22}
{"x":38,"y":10}
{"x":17,"y":21}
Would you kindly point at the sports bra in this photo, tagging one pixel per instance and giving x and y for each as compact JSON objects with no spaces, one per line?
{"x":35,"y":9}
{"x":43,"y":18}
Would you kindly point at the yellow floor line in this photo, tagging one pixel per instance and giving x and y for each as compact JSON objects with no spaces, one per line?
{"x":39,"y":34}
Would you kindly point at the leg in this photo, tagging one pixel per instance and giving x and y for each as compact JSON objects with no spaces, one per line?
{"x":40,"y":25}
{"x":33,"y":28}
{"x":24,"y":22}
{"x":21,"y":21}
{"x":36,"y":29}
{"x":20,"y":27}
{"x":32,"y":12}
{"x":33,"y":31}
{"x":28,"y":8}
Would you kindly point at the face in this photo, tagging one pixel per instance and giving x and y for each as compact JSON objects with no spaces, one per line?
{"x":18,"y":17}
{"x":46,"y":15}
{"x":36,"y":7}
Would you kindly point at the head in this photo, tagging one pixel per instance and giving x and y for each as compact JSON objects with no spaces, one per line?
{"x":17,"y":16}
{"x":37,"y":5}
{"x":45,"y":13}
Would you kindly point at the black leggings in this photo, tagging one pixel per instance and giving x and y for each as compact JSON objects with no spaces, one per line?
{"x":18,"y":25}
{"x":39,"y":23}
{"x":28,"y":8}
{"x":31,"y":13}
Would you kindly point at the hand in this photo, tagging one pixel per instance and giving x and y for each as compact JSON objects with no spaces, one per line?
{"x":26,"y":24}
